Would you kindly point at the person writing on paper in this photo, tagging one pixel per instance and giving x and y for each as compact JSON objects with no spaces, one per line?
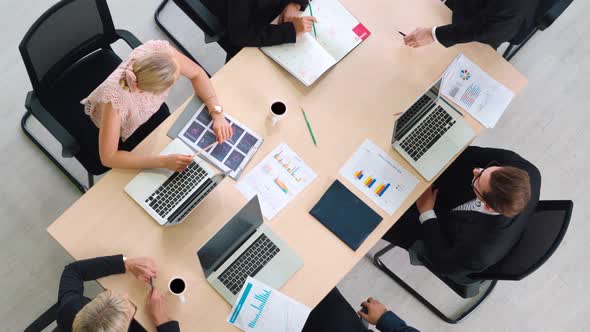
{"x":473,"y":214}
{"x":129,"y":104}
{"x":248,"y":22}
{"x":334,"y":313}
{"x":490,"y":22}
{"x":109,"y":311}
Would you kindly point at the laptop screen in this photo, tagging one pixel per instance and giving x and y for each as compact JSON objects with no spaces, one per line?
{"x":230,"y":237}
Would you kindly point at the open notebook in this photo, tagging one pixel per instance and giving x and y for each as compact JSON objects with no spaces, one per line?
{"x":338,"y":33}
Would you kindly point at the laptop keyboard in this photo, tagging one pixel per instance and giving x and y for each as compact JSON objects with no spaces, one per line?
{"x":413,"y":110}
{"x":252,"y":260}
{"x":175,"y":189}
{"x":406,"y":120}
{"x":423,"y":137}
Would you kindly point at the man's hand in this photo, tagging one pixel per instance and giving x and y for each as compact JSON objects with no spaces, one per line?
{"x":303,"y":24}
{"x":419,"y":37}
{"x":375,"y":310}
{"x":290,"y":12}
{"x":427,"y":200}
{"x":143,"y":268}
{"x":156,"y":307}
{"x":221,"y":127}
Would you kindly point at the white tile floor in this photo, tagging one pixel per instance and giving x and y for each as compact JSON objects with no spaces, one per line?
{"x":546,"y":124}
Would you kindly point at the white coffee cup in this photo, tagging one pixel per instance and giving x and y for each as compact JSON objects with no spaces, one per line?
{"x":277,"y":111}
{"x":177,"y":286}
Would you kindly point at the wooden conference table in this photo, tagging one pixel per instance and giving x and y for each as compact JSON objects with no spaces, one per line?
{"x":355,"y":100}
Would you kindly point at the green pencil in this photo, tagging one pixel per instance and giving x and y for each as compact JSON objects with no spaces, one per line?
{"x":313,"y":24}
{"x":309,"y":127}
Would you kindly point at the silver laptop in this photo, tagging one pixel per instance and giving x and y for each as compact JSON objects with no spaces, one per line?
{"x":246,"y":247}
{"x":430,"y":133}
{"x":170,"y":196}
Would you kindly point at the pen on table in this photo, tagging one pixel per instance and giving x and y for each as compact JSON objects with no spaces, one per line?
{"x":401,"y":33}
{"x":313,"y":23}
{"x":309,"y":128}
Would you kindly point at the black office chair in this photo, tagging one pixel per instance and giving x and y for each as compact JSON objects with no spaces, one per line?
{"x":544,"y":232}
{"x":198,"y":13}
{"x":546,"y":13}
{"x":45,"y":320}
{"x":67,"y":53}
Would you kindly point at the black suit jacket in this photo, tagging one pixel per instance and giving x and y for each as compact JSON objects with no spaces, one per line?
{"x":488,"y":21}
{"x":248,"y":22}
{"x":463,"y":242}
{"x":71,"y":290}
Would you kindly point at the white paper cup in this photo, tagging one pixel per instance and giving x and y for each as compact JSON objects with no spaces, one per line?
{"x":277,"y":111}
{"x":177,"y":287}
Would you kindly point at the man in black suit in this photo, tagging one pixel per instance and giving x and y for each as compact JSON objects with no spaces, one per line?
{"x":490,"y":22}
{"x":334,"y":313}
{"x":475,"y":213}
{"x":108,"y":311}
{"x":248,"y":22}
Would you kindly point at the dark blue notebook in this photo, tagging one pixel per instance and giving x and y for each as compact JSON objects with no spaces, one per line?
{"x":345,"y":215}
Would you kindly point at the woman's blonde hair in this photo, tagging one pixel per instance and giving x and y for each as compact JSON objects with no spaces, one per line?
{"x":108,"y":312}
{"x":155,"y":72}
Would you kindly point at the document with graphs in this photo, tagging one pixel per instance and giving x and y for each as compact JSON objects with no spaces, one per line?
{"x":263,"y":309}
{"x":277,"y":179}
{"x":475,"y":91}
{"x":335,"y":35}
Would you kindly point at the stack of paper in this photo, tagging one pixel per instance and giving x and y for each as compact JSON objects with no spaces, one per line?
{"x":475,"y":91}
{"x":263,"y":309}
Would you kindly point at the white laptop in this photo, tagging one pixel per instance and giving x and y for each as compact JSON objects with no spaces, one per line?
{"x":168,"y":196}
{"x":430,"y":133}
{"x":246,"y":247}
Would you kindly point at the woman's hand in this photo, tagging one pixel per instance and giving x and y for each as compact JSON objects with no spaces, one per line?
{"x":176,"y":162}
{"x":221,"y":128}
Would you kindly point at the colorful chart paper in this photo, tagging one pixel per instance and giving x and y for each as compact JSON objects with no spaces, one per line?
{"x":277,"y":180}
{"x":475,"y":91}
{"x":260,"y":308}
{"x":379,"y":177}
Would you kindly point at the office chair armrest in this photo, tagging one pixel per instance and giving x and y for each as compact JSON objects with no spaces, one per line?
{"x":69,"y":145}
{"x":553,"y":13}
{"x":128,"y":37}
{"x":203,"y":18}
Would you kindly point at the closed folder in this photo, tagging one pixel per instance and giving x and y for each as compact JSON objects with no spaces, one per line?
{"x":345,"y":215}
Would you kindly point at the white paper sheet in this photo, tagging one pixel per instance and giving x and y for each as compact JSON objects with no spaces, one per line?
{"x":231,"y":156}
{"x":261,"y":308}
{"x":277,"y":179}
{"x":383,"y":180}
{"x":475,"y":91}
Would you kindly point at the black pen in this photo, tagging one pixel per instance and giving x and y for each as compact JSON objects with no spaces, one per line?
{"x":401,"y":33}
{"x":152,"y":282}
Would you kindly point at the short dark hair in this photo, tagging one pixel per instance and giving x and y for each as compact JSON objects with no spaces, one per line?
{"x":510,"y":191}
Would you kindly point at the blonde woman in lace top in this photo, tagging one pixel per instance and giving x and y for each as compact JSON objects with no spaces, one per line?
{"x":135,"y":91}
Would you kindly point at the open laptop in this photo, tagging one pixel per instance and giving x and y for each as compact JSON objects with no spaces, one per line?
{"x":170,"y":196}
{"x":245,"y":247}
{"x":430,"y":133}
